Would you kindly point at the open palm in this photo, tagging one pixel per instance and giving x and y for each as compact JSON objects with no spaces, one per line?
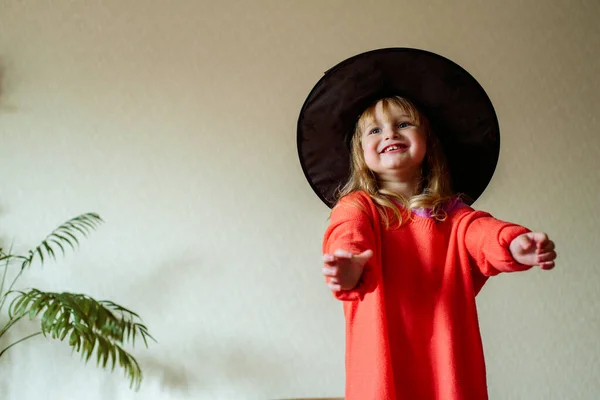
{"x":533,"y":248}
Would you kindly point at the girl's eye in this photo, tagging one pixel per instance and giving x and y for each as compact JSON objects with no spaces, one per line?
{"x":374,"y":131}
{"x":403,"y":125}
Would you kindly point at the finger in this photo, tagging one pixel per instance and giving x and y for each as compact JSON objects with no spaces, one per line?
{"x":334,"y":287}
{"x":341,"y":253}
{"x":526,"y":242}
{"x":547,"y":265}
{"x":540,"y":238}
{"x":330,"y":271}
{"x":330,"y":260}
{"x":328,"y":257}
{"x":365,"y":255}
{"x":549,"y":246}
{"x":550,"y":256}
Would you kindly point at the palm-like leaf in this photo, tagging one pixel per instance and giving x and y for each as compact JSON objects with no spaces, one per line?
{"x":89,"y":325}
{"x":64,"y":235}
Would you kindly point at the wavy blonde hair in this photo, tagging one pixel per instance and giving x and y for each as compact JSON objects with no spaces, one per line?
{"x":434,"y":185}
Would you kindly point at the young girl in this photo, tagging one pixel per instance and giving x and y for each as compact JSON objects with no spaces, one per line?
{"x":407,"y":256}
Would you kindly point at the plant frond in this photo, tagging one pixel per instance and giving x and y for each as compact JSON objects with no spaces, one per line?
{"x":65,"y":235}
{"x":88,"y":325}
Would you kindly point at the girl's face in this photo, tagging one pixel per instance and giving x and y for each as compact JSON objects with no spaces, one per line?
{"x":392,"y":145}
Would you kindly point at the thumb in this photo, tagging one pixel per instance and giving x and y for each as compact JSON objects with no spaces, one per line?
{"x":364,"y":256}
{"x":526,"y":242}
{"x":539,"y":238}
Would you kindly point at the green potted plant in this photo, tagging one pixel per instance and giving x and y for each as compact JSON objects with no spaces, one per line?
{"x":89,"y":326}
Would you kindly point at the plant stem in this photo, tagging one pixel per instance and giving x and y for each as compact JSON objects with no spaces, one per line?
{"x":12,"y":284}
{"x":19,"y":341}
{"x":9,"y":324}
{"x":2,"y":294}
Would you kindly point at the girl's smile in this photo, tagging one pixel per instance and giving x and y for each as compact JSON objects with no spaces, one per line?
{"x":395,"y":148}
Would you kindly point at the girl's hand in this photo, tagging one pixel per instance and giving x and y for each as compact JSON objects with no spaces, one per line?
{"x":344,"y":269}
{"x":533,"y":248}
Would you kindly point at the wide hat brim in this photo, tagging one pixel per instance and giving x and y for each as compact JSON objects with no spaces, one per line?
{"x":458,"y":109}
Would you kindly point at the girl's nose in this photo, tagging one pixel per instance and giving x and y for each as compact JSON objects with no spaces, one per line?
{"x":390,"y":133}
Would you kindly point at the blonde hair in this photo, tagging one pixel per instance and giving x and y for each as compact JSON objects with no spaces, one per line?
{"x":434,"y":185}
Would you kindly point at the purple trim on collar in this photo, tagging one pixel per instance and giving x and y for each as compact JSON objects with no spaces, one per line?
{"x":455,"y":204}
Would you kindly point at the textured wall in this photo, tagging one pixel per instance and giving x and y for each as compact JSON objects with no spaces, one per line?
{"x":176,"y":122}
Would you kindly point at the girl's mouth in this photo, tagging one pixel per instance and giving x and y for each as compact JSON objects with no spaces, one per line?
{"x":394,"y":148}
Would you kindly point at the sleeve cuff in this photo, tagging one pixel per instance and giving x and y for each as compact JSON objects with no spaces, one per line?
{"x":356,"y":294}
{"x":509,"y":233}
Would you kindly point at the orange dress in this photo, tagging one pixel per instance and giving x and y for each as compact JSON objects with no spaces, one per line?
{"x":411,"y":322}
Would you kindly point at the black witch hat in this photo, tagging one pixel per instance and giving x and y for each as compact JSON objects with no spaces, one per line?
{"x":459,"y":111}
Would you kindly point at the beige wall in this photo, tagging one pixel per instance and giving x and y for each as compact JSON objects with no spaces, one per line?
{"x":176,"y":122}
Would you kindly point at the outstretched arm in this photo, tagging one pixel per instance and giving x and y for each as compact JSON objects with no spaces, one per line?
{"x":348,"y":246}
{"x":497,"y":246}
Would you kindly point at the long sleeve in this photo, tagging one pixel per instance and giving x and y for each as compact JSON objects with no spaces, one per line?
{"x":351,"y":228}
{"x":488,"y":239}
